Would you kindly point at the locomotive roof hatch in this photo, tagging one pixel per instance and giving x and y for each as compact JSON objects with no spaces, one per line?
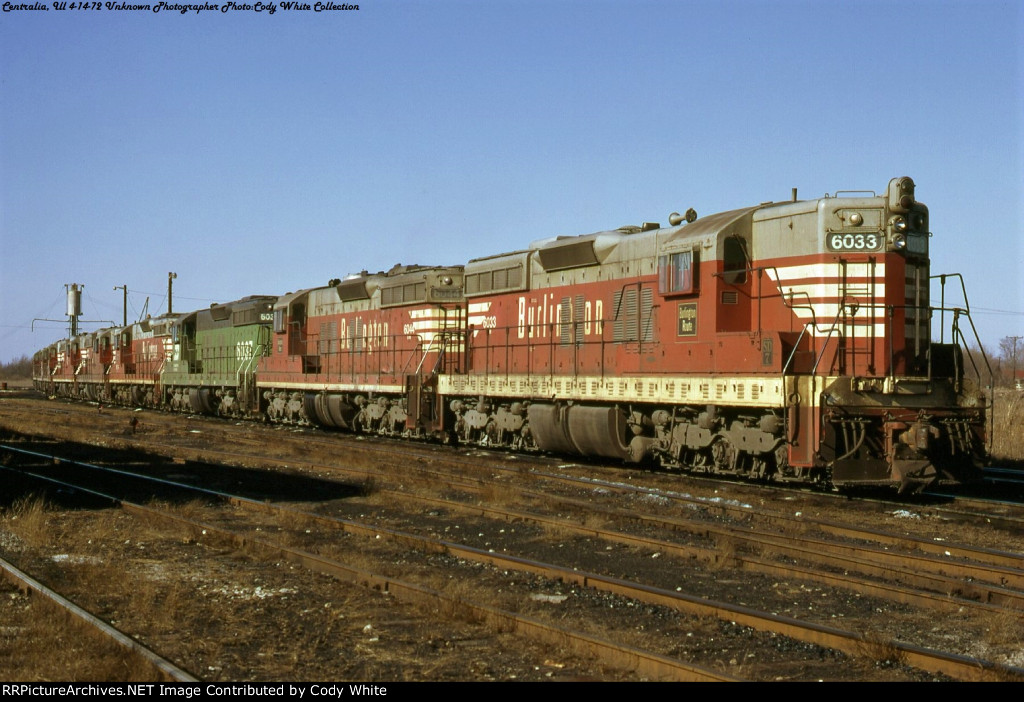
{"x":337,"y":296}
{"x":416,"y":284}
{"x":713,"y":226}
{"x":503,"y":273}
{"x":286,"y":301}
{"x":235,"y":314}
{"x":566,"y":252}
{"x":361,"y":288}
{"x":161,"y":323}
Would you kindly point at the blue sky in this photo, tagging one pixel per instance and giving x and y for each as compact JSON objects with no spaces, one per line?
{"x":263,"y":153}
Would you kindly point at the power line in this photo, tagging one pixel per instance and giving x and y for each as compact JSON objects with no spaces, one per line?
{"x":989,"y":310}
{"x":179,"y":297}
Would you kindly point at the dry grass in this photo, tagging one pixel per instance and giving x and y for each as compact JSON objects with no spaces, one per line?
{"x":557,"y":532}
{"x":526,"y":477}
{"x":726,"y":555}
{"x":42,"y":643}
{"x":105,"y":526}
{"x":495,"y":495}
{"x":876,"y":650}
{"x":49,"y":644}
{"x":464,"y":596}
{"x":1008,"y":427}
{"x":368,"y":487}
{"x":595,"y":520}
{"x":160,"y":603}
{"x":1005,"y":628}
{"x":293,"y":530}
{"x":457,"y":592}
{"x":28,"y":519}
{"x":193,"y":510}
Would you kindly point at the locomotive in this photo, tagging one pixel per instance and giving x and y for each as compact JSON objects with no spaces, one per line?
{"x":786,"y":341}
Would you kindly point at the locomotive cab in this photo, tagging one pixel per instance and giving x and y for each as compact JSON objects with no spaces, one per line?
{"x":894,"y":406}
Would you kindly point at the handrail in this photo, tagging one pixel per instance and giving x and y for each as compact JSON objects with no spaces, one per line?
{"x":942,"y":299}
{"x":824,"y":346}
{"x":957,"y":312}
{"x":245,"y":369}
{"x":792,"y":353}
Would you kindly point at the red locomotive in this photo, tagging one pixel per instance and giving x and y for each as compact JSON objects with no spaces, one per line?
{"x":783,"y":341}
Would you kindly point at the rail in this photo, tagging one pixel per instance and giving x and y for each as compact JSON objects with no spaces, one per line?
{"x":161,"y":664}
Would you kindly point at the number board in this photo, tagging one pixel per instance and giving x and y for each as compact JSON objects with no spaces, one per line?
{"x":860,"y":241}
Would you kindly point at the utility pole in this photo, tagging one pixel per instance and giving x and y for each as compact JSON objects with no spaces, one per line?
{"x":124,"y":306}
{"x":170,"y":284}
{"x":1013,"y":378}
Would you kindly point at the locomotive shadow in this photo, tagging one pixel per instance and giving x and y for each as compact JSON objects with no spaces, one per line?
{"x":177,"y":477}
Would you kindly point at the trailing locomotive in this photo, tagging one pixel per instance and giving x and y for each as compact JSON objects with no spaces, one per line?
{"x":784,"y":341}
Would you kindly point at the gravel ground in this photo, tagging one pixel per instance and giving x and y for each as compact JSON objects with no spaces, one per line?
{"x":225,"y":615}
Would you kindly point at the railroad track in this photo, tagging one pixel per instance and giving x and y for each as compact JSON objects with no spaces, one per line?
{"x":176,"y":434}
{"x":949,"y":568}
{"x":644,"y":663}
{"x":180,"y":436}
{"x":725,"y":550}
{"x":960,"y":667}
{"x":138,"y":658}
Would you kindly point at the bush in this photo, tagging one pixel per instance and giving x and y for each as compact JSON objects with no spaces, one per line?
{"x":18,"y":369}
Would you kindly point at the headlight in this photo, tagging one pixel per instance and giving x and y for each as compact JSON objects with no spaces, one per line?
{"x":899,"y":241}
{"x":899,"y":224}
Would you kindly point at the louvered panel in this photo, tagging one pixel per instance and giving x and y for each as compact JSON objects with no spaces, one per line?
{"x":630,"y":308}
{"x":647,"y":321}
{"x":625,"y":304}
{"x":618,"y":324}
{"x":565,"y":321}
{"x":577,"y":318}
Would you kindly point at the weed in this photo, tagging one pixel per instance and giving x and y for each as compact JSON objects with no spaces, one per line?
{"x":29,"y":519}
{"x":368,"y":486}
{"x":1008,"y":427}
{"x":1005,"y":628}
{"x":726,"y":554}
{"x":875,"y":650}
{"x":296,"y":521}
{"x":498,"y":495}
